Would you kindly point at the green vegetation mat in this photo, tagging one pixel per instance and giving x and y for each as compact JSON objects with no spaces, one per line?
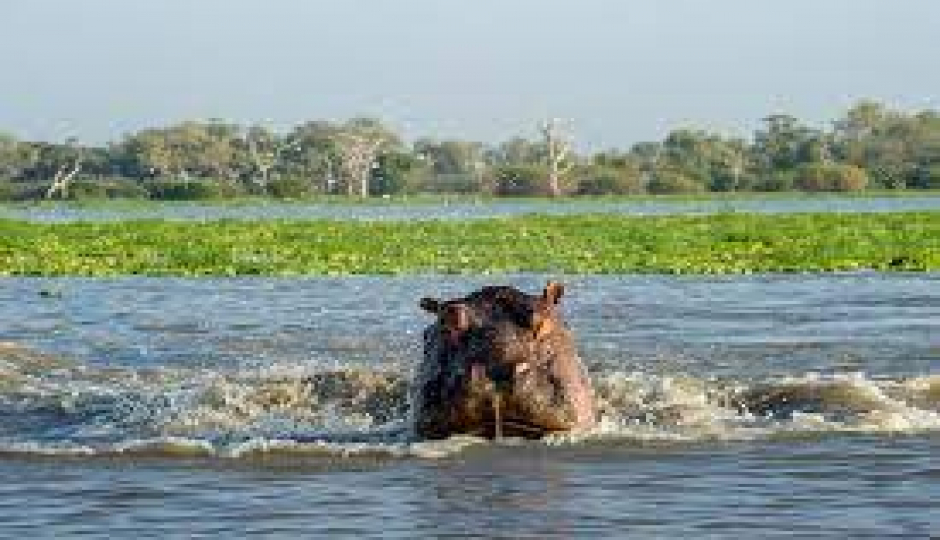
{"x":715,"y":244}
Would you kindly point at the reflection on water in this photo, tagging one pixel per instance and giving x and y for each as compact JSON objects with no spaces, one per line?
{"x":731,"y":406}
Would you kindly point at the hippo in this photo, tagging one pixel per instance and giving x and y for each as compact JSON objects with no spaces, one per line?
{"x":500,"y":362}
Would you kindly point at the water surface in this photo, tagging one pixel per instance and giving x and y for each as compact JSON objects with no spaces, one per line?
{"x":760,"y":406}
{"x":375,"y":211}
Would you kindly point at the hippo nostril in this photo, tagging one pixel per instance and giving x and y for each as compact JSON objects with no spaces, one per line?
{"x":501,"y":375}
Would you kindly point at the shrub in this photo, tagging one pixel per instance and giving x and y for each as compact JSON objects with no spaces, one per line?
{"x":107,"y":188}
{"x":430,"y":182}
{"x":179,"y":190}
{"x":609,"y":181}
{"x":776,"y":181}
{"x":927,"y":178}
{"x":830,"y":177}
{"x":674,"y":181}
{"x":519,"y":180}
{"x":393,"y":174}
{"x":7,"y":190}
{"x":289,"y":187}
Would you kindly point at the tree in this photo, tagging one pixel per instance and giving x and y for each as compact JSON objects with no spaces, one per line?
{"x":515,"y":151}
{"x":70,"y":166}
{"x":732,"y":167}
{"x":600,"y":180}
{"x":393,"y":172}
{"x":451,"y":165}
{"x":893,"y":147}
{"x":869,"y":145}
{"x":147,"y":154}
{"x":358,"y":145}
{"x":265,"y":150}
{"x":313,"y":155}
{"x":358,"y":152}
{"x":558,"y":148}
{"x":518,"y":179}
{"x":610,"y":173}
{"x":648,"y":155}
{"x":782,"y":144}
{"x":15,"y":157}
{"x":201,"y":149}
{"x":861,"y":121}
{"x":686,"y":155}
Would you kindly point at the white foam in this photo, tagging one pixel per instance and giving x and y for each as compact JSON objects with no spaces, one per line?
{"x":179,"y":411}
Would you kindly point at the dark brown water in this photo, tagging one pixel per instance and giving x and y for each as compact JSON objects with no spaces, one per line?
{"x":172,"y":407}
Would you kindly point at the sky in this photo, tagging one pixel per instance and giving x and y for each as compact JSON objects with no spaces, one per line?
{"x":616,"y":71}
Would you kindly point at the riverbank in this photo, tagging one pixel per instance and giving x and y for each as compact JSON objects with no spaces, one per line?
{"x":573,"y":244}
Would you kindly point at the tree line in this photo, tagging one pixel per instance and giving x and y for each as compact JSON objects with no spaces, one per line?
{"x":870,"y":147}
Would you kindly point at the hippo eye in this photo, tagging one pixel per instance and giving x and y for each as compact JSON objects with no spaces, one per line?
{"x":520,"y":314}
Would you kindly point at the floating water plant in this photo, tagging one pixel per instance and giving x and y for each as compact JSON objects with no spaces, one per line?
{"x":715,"y":244}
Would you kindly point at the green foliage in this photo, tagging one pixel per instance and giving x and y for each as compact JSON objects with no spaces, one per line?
{"x":7,"y":190}
{"x":171,"y":189}
{"x":107,"y":188}
{"x":610,"y":173}
{"x":424,"y":181}
{"x":519,"y":180}
{"x":393,"y":173}
{"x":776,"y":181}
{"x":289,"y":187}
{"x":927,"y":177}
{"x":598,"y":180}
{"x":870,"y":146}
{"x":516,"y":151}
{"x":829,"y":177}
{"x":673,"y":180}
{"x":450,"y":157}
{"x":784,"y":143}
{"x":729,"y":243}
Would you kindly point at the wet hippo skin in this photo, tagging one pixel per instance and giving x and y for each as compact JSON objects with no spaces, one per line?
{"x":500,"y":362}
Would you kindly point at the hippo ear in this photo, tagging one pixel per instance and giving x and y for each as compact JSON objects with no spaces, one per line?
{"x":553,"y":292}
{"x":431,"y":305}
{"x":455,"y":317}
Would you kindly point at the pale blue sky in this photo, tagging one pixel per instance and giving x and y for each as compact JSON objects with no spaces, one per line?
{"x":620,"y":70}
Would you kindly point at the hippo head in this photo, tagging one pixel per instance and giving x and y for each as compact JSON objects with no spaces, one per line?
{"x":500,"y":362}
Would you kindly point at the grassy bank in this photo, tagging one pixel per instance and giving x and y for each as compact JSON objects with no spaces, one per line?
{"x":727,"y":243}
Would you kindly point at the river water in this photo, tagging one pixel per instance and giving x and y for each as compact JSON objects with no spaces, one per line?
{"x":732,"y":407}
{"x":460,"y":209}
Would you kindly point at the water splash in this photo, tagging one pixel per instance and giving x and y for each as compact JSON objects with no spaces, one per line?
{"x":54,"y":407}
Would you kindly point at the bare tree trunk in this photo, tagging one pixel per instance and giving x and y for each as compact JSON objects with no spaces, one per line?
{"x":358,"y":152}
{"x":558,"y":150}
{"x":331,"y":175}
{"x":737,"y":170}
{"x":63,"y":177}
{"x":365,"y":181}
{"x":265,"y":161}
